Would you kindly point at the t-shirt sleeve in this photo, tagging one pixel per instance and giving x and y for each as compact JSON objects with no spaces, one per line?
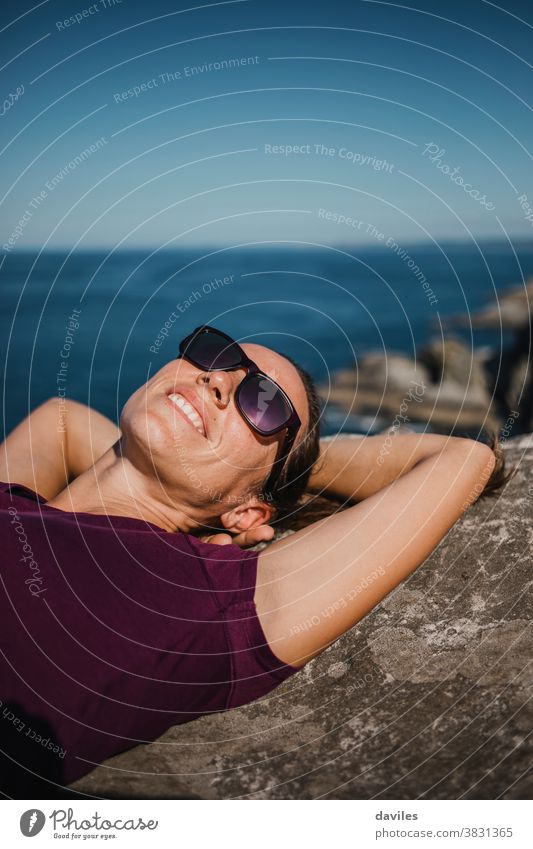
{"x":230,"y":570}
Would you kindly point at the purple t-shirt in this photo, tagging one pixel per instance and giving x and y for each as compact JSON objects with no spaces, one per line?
{"x":112,"y":630}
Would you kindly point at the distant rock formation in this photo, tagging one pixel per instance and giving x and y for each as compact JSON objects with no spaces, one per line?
{"x":429,"y":696}
{"x":465,"y":389}
{"x":445,"y":386}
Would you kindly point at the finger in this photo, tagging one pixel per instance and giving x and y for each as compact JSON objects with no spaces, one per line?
{"x":217,"y":539}
{"x":261,"y":534}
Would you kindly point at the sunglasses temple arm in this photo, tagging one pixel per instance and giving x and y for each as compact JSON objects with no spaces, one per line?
{"x":279,"y":462}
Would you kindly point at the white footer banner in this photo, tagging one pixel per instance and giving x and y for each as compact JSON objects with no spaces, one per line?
{"x":268,"y":824}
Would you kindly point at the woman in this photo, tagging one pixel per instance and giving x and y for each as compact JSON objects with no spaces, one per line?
{"x":121,"y":616}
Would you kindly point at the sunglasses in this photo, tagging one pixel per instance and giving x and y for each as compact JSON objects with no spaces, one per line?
{"x":263,"y":404}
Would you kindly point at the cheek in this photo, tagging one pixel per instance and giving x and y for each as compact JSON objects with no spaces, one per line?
{"x":248,"y":452}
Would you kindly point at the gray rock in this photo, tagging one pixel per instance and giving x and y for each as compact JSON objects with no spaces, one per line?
{"x":427,"y":697}
{"x":445,"y":387}
{"x":510,"y":312}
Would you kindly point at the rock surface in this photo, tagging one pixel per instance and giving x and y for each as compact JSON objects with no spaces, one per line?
{"x":446,"y":387}
{"x":426,"y":698}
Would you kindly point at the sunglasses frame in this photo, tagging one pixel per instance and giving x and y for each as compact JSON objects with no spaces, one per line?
{"x":293,"y":421}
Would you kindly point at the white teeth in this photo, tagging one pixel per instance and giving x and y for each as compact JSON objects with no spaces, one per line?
{"x":189,"y":411}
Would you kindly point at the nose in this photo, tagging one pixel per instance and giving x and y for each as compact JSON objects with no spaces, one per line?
{"x":220,"y":384}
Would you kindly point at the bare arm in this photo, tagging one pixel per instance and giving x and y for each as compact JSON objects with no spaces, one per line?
{"x":320,"y":581}
{"x":355,"y":467}
{"x":52,"y":446}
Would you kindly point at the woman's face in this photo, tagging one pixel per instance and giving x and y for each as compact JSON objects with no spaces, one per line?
{"x":205,"y":458}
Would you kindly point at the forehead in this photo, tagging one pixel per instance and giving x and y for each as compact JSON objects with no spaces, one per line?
{"x":283,"y":372}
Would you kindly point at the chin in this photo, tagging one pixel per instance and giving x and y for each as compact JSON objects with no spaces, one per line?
{"x":146,"y":437}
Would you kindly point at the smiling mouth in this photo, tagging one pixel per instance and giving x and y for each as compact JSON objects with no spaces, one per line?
{"x":188,"y":411}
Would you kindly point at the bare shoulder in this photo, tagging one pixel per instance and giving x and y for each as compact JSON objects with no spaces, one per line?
{"x":58,"y":440}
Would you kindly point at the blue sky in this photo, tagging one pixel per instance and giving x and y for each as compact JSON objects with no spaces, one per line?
{"x":381,"y":104}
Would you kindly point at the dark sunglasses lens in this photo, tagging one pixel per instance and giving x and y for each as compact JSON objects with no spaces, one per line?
{"x":263,"y":403}
{"x":211,"y":351}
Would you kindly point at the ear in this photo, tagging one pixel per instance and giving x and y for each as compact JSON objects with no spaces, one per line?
{"x":250,"y":514}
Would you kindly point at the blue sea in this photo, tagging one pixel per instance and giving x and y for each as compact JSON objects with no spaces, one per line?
{"x":323,"y":306}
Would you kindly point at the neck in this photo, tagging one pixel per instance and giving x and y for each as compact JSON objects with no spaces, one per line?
{"x":114,"y":486}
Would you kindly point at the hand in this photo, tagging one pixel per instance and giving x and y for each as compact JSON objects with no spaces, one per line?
{"x":244,"y":539}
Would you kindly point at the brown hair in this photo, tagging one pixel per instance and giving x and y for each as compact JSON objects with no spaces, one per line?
{"x":499,"y":476}
{"x":297,"y":469}
{"x":315,"y":507}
